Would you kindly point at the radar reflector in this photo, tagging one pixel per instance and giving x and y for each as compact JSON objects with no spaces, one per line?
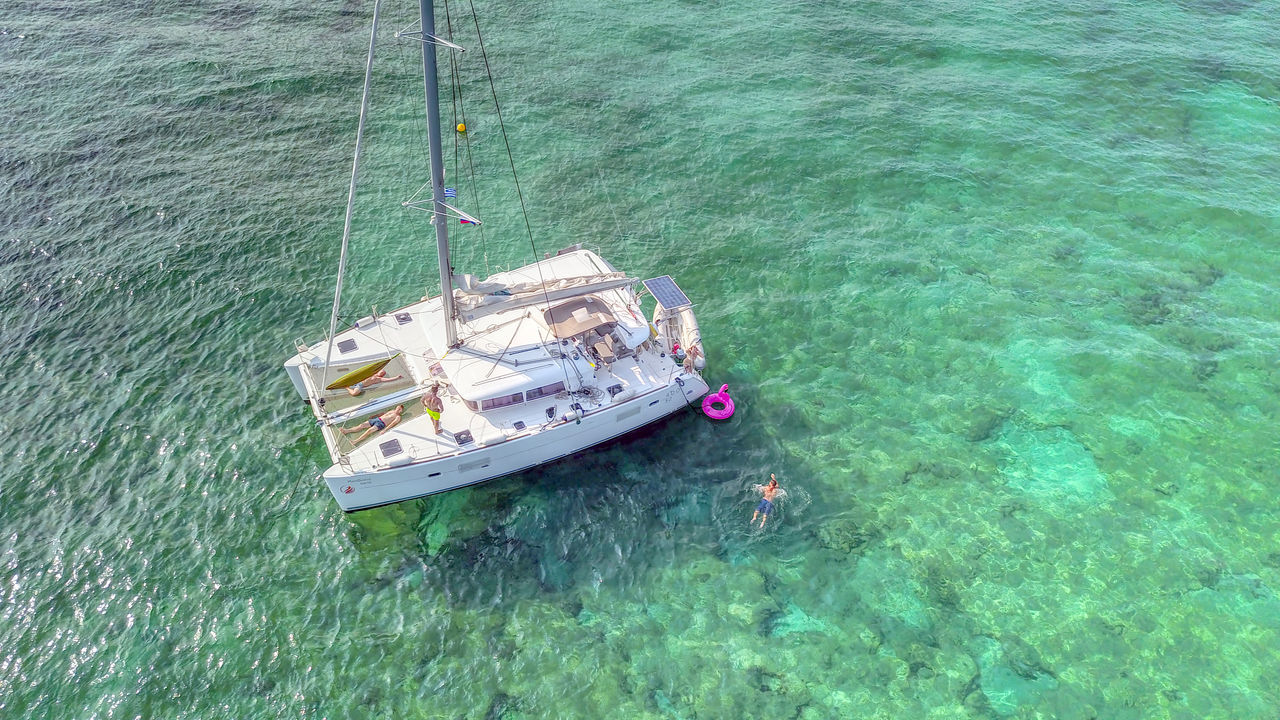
{"x":667,"y":293}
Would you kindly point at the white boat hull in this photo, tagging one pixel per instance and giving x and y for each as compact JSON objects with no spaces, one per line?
{"x":491,"y":376}
{"x":360,"y":490}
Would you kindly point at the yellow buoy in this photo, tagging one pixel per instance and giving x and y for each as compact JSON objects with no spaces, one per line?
{"x":462,"y":127}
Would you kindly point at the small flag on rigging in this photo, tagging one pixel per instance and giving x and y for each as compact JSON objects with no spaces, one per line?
{"x":464,"y":221}
{"x":450,"y":192}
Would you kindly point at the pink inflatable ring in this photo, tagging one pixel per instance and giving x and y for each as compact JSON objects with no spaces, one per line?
{"x":709,"y":403}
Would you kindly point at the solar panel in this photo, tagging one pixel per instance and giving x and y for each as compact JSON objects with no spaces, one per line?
{"x":666,"y":292}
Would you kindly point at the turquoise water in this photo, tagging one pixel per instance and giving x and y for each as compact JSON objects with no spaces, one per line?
{"x":993,"y":286}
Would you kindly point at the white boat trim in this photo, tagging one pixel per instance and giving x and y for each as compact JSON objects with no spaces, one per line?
{"x":530,"y":365}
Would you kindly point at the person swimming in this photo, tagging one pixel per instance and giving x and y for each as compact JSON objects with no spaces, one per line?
{"x":765,"y":507}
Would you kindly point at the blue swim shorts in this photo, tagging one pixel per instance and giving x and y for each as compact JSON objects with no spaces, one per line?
{"x":765,"y":507}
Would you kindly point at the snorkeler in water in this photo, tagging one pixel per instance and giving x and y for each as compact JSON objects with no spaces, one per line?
{"x":765,"y":507}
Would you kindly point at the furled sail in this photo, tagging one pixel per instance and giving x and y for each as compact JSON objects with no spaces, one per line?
{"x":476,"y":299}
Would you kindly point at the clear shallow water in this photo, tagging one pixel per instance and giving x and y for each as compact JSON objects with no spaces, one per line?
{"x":993,"y":288}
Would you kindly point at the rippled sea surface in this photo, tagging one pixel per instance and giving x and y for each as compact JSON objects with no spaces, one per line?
{"x":993,"y":285}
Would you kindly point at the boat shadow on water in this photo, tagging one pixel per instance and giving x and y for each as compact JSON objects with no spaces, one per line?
{"x":604,"y":516}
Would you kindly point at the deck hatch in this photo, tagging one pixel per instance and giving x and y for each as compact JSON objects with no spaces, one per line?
{"x":390,"y":448}
{"x":346,"y":346}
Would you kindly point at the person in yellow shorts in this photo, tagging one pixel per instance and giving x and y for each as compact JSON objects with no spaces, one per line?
{"x":434,"y":406}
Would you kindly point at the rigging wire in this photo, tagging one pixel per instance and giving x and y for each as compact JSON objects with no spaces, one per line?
{"x":524,"y":212}
{"x":463,"y":143}
{"x":463,"y":139}
{"x":502,"y":126}
{"x":418,"y":130}
{"x":351,"y":192}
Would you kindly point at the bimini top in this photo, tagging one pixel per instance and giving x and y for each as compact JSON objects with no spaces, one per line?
{"x":578,"y":316}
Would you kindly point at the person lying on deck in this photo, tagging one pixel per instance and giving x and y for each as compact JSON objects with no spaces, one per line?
{"x":382,"y":423}
{"x":378,"y":377}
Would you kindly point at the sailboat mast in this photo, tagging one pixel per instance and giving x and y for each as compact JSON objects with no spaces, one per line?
{"x":438,"y":216}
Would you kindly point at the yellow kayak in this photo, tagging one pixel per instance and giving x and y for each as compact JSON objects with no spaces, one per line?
{"x":360,"y":373}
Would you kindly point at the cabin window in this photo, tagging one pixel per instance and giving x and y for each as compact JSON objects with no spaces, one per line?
{"x":503,"y":401}
{"x":544,"y":391}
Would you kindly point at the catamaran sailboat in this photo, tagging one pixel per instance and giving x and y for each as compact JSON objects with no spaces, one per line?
{"x":495,"y":376}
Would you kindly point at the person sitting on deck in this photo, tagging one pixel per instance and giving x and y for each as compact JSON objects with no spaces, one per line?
{"x":434,"y":405}
{"x":378,"y":377}
{"x":382,"y":423}
{"x":691,"y":360}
